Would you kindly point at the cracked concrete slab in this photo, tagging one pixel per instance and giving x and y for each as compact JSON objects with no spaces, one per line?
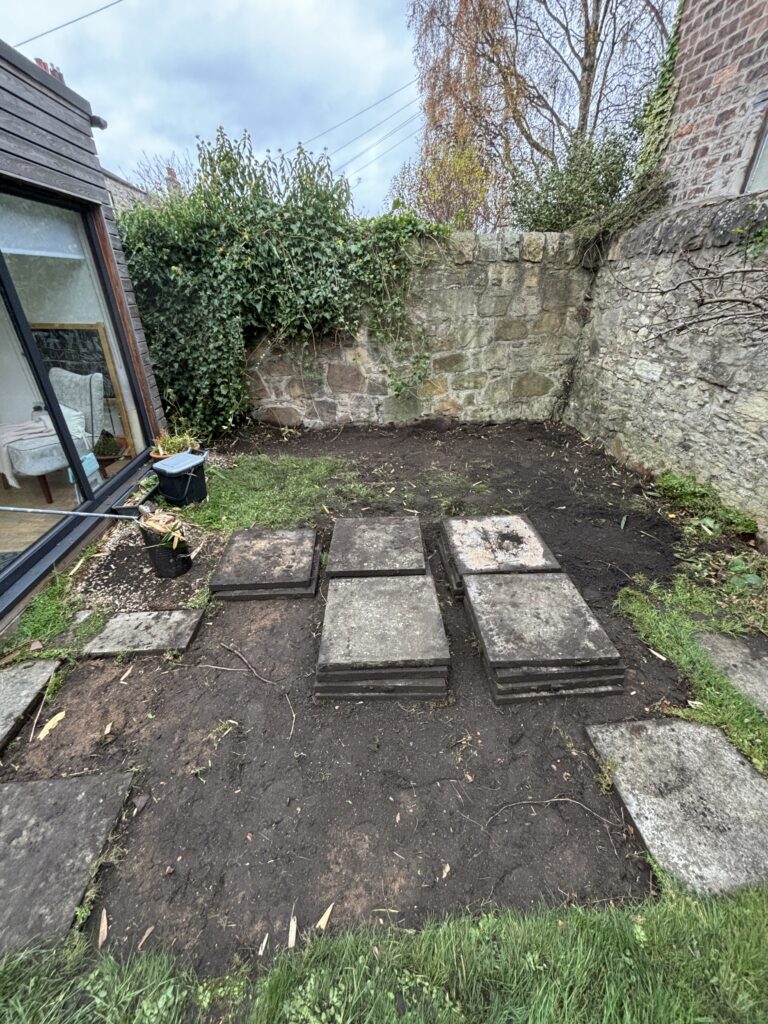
{"x":700,"y":808}
{"x":146,"y":633}
{"x":379,"y":546}
{"x":51,"y":833}
{"x":20,"y":686}
{"x":745,"y":662}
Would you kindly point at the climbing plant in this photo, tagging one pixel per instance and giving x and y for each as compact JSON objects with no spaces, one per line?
{"x":264,"y":248}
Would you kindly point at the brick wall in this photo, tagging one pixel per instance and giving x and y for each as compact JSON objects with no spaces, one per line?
{"x":721,"y":105}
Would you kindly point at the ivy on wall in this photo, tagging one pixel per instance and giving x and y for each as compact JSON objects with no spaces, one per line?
{"x":656,"y":119}
{"x":264,"y":249}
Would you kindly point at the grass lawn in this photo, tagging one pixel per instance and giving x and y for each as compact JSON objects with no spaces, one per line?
{"x":678,"y":960}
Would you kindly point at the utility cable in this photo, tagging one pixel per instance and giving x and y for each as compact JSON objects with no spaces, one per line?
{"x":375,"y":126}
{"x":388,"y":150}
{"x":64,"y":24}
{"x":378,"y":141}
{"x":365,"y":110}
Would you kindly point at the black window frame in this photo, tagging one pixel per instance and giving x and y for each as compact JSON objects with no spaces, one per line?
{"x":36,"y":561}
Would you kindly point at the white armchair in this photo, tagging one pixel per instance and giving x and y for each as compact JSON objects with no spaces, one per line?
{"x":82,"y":403}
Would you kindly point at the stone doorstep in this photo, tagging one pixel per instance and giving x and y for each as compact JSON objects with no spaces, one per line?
{"x":146,"y":633}
{"x":51,"y":833}
{"x":259,"y":558}
{"x":20,"y":686}
{"x":700,"y":807}
{"x":380,"y":546}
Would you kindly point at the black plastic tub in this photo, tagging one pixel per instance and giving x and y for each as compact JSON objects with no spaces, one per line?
{"x":168,"y":562}
{"x":181,"y":478}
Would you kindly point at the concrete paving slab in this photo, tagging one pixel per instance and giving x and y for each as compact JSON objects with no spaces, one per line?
{"x":492,"y":544}
{"x":376,"y":547}
{"x":701,"y":809}
{"x":146,"y":633}
{"x":535,"y":619}
{"x":745,"y":662}
{"x":20,"y":686}
{"x":50,"y":834}
{"x":258,"y":560}
{"x":382,"y":621}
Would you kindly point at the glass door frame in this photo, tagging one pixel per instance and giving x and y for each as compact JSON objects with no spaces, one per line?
{"x":50,"y":543}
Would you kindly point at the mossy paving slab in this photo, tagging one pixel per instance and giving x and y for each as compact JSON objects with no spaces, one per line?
{"x":51,"y":833}
{"x":146,"y":633}
{"x":377,"y":546}
{"x":268,"y":563}
{"x":20,"y":686}
{"x":700,"y":808}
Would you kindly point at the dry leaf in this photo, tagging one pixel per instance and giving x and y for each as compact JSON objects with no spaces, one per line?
{"x":145,"y":936}
{"x":108,"y":729}
{"x":446,"y":870}
{"x":125,"y":675}
{"x":36,"y":645}
{"x":103,"y":927}
{"x":263,"y":945}
{"x":50,"y":725}
{"x":292,"y":931}
{"x":323,"y":922}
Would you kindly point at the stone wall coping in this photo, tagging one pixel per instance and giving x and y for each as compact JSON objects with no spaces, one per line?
{"x":709,"y":224}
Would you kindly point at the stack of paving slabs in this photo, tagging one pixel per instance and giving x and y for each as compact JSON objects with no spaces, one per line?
{"x":491,"y":544}
{"x":539,"y":638}
{"x":383,"y":634}
{"x":260,"y":563}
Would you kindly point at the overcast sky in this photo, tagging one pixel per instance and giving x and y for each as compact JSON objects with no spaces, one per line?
{"x":162,"y":72}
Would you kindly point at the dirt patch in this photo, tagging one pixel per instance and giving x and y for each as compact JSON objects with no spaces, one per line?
{"x":394,"y":811}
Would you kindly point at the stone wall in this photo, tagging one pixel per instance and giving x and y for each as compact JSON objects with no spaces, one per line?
{"x":693,"y":399}
{"x":720,"y":109}
{"x":501,"y":314}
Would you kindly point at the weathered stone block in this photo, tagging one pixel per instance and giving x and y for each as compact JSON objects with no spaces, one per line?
{"x":280,"y":415}
{"x":531,"y":385}
{"x":512,"y":328}
{"x":449,"y":361}
{"x":469,"y":381}
{"x":493,"y":303}
{"x":345,"y":377}
{"x":532,"y":248}
{"x":400,"y":410}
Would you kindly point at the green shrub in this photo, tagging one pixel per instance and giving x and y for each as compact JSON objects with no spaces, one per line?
{"x":260,"y":249}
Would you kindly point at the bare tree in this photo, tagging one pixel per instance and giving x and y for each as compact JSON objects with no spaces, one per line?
{"x":523,"y":77}
{"x":161,"y":175}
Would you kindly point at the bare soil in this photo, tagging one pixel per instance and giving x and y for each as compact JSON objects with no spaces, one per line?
{"x":241,"y":812}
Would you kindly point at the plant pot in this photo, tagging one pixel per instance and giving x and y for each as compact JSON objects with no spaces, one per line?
{"x":167,"y":562}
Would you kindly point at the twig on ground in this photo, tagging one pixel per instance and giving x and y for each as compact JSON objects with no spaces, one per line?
{"x":245,"y":661}
{"x":552,"y":800}
{"x":34,"y":724}
{"x":293,"y":723}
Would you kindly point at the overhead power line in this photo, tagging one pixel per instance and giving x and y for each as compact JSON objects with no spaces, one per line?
{"x":64,"y":24}
{"x":388,"y":150}
{"x":375,"y":126}
{"x":352,"y":117}
{"x":383,"y":138}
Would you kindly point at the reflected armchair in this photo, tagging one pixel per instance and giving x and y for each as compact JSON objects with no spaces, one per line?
{"x":82,"y":403}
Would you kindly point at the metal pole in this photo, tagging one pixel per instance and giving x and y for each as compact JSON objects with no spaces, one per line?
{"x":61,"y":512}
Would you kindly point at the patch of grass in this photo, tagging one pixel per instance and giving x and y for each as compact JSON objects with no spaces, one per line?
{"x":200,"y":598}
{"x":47,"y":615}
{"x":703,"y":505}
{"x":677,"y":960}
{"x":275,"y":492}
{"x":668,"y":619}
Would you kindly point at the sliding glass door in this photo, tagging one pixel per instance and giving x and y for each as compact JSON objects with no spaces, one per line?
{"x":68,"y":417}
